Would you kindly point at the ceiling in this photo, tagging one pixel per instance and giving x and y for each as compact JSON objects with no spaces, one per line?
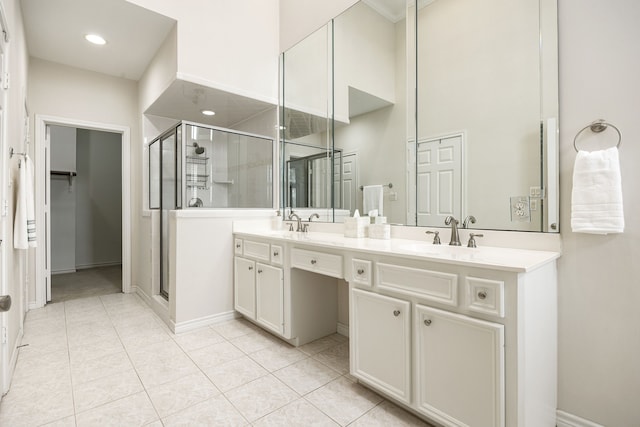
{"x":55,"y":32}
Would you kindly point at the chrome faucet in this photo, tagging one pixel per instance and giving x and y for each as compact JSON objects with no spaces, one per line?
{"x":469,"y":219}
{"x":314,"y":215}
{"x":455,"y":237}
{"x":293,"y":215}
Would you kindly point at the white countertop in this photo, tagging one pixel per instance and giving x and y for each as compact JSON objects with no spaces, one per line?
{"x":517,"y":260}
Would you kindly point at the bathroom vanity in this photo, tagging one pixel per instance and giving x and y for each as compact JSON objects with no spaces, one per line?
{"x":460,"y":336}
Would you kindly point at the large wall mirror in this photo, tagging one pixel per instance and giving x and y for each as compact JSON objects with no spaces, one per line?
{"x":450,"y":105}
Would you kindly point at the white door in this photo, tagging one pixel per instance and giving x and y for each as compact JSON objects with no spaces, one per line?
{"x":47,"y":213}
{"x":244,"y":286}
{"x":349,"y":182}
{"x":5,"y":222}
{"x":439,"y":181}
{"x":270,"y":297}
{"x":459,"y":368}
{"x":381,"y":342}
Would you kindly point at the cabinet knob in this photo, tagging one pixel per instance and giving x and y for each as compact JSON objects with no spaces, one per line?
{"x":238,"y":245}
{"x":313,"y":262}
{"x":259,"y":271}
{"x":427,"y":322}
{"x":396,"y":313}
{"x":482,"y":294}
{"x":276,"y":253}
{"x":250,"y":267}
{"x":360,"y":271}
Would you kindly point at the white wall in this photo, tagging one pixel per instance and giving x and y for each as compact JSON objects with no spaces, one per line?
{"x":17,"y":273}
{"x":99,"y":199}
{"x":62,"y":91}
{"x":63,"y":200}
{"x":212,"y":35}
{"x":599,"y":289}
{"x":299,"y":18}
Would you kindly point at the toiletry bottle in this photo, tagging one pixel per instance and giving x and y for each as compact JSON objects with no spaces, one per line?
{"x":276,"y":221}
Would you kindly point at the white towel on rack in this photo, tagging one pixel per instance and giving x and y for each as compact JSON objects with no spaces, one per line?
{"x":596,"y":199}
{"x":372,"y":198}
{"x":24,"y":225}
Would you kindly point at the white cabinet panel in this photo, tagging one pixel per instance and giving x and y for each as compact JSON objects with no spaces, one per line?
{"x":381,"y":342}
{"x":426,"y":284}
{"x":317,"y":262}
{"x":270,"y":297}
{"x":459,"y":368}
{"x":244,"y":286}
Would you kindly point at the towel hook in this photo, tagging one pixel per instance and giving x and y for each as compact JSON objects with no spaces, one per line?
{"x":597,"y":126}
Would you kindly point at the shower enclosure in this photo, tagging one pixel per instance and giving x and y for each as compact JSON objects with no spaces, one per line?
{"x":196,"y":166}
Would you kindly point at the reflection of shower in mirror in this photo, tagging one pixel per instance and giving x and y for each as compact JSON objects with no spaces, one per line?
{"x":198,"y":149}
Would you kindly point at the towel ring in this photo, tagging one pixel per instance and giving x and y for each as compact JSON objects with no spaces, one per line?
{"x":597,"y":127}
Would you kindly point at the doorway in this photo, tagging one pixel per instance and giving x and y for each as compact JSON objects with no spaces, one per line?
{"x":48,"y":181}
{"x":86,"y":212}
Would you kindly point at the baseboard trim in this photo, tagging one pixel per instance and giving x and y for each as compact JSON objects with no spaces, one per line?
{"x":564,"y":419}
{"x":71,"y":270}
{"x":33,"y":305}
{"x":12,"y":362}
{"x":98,"y":265}
{"x":343,"y":329}
{"x":190,"y":325}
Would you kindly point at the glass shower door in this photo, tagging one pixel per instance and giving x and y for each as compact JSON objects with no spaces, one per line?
{"x":170,"y":195}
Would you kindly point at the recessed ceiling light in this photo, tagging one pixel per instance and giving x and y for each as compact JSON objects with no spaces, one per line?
{"x":95,"y":39}
{"x":208,"y":112}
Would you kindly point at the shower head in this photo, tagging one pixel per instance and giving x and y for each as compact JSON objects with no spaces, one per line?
{"x":199,"y":150}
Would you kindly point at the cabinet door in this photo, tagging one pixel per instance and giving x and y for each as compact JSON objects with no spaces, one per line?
{"x":270,"y":297}
{"x":459,"y":366}
{"x":380,"y":342}
{"x":244,"y":279}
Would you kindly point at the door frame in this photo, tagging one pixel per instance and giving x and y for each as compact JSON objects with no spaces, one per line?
{"x":41,"y":160}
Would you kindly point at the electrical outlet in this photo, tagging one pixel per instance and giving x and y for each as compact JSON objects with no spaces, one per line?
{"x":520,"y":209}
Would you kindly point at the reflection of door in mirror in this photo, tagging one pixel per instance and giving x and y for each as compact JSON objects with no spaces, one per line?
{"x":439,"y":180}
{"x":350,"y":182}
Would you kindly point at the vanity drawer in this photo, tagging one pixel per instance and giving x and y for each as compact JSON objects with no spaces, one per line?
{"x":256,"y":250}
{"x":277,"y":254}
{"x":425,"y":284}
{"x":237,"y":246}
{"x":485,"y":296}
{"x":361,"y":272}
{"x":318,"y":262}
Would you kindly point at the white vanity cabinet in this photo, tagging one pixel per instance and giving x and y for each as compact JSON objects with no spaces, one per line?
{"x":259,"y":286}
{"x":381,"y":333}
{"x":460,"y":336}
{"x":468,"y":347}
{"x":459,"y":368}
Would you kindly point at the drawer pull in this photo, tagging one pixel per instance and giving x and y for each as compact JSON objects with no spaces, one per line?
{"x":313,"y":262}
{"x":396,"y":313}
{"x":238,"y":245}
{"x":250,"y":268}
{"x":360,"y":271}
{"x":276,"y":253}
{"x":259,"y":271}
{"x":482,"y":294}
{"x":427,"y":322}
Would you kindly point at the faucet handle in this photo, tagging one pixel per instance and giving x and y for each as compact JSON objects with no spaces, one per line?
{"x":305,"y":228}
{"x":472,"y":240}
{"x":436,"y":237}
{"x":290,"y":226}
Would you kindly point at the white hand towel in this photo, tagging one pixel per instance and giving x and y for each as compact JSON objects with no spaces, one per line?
{"x":31,"y":211}
{"x":596,"y":199}
{"x":24,"y":224}
{"x":372,"y":198}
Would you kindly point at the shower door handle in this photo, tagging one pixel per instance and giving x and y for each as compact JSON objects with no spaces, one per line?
{"x":5,"y":303}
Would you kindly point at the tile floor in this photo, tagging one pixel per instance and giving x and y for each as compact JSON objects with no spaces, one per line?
{"x":89,"y":282}
{"x":109,"y":361}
